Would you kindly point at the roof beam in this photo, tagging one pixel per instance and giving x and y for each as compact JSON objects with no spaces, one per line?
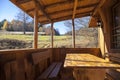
{"x":62,"y":11}
{"x":101,"y":2}
{"x":22,"y":1}
{"x":67,"y":10}
{"x":30,"y":10}
{"x":59,"y":3}
{"x":78,"y":15}
{"x":41,"y":8}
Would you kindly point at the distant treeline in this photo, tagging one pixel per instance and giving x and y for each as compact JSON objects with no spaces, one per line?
{"x":16,"y":25}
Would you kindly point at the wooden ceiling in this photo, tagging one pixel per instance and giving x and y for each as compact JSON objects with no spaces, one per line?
{"x":58,"y":10}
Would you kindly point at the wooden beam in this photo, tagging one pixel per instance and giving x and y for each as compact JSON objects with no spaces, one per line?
{"x":35,"y":28}
{"x":59,"y":3}
{"x":67,"y":10}
{"x":68,"y":17}
{"x":73,"y":27}
{"x":52,"y":33}
{"x":22,"y":1}
{"x":30,"y":10}
{"x":41,"y":8}
{"x":101,"y":2}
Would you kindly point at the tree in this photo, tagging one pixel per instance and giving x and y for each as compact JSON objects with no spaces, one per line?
{"x":79,"y":23}
{"x":22,"y":16}
{"x":81,"y":29}
{"x":2,"y":23}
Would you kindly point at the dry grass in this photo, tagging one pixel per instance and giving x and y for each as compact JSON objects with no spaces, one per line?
{"x":59,"y":41}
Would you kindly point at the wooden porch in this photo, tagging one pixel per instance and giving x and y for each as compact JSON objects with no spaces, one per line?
{"x":30,"y":64}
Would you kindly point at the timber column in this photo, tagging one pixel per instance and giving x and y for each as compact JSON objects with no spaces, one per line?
{"x":35,"y":45}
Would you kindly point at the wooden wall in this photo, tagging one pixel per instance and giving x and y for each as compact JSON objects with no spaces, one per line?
{"x":106,"y":15}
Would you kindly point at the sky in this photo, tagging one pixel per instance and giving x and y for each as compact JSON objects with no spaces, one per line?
{"x":8,"y":11}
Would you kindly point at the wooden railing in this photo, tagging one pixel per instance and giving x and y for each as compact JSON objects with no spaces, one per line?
{"x":59,"y":53}
{"x":18,"y":64}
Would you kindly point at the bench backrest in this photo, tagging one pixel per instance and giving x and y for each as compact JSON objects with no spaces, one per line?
{"x":39,"y":56}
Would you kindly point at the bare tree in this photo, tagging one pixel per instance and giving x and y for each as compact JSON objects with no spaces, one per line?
{"x":79,"y":22}
{"x":81,"y":29}
{"x":22,"y":16}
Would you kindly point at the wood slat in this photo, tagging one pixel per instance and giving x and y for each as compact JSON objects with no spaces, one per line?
{"x":59,"y":3}
{"x":48,"y":8}
{"x":56,"y":70}
{"x":39,"y":56}
{"x":22,"y":1}
{"x":46,"y":73}
{"x":7,"y":71}
{"x":88,"y":61}
{"x":78,"y":15}
{"x":20,"y":69}
{"x":67,"y":10}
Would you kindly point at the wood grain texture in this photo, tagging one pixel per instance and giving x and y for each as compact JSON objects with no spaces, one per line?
{"x":46,"y":7}
{"x":56,"y":70}
{"x":87,"y":61}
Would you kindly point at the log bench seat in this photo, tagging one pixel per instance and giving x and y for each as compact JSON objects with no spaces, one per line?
{"x":52,"y":72}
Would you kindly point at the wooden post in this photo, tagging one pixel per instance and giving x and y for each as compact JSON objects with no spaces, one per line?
{"x":73,"y":24}
{"x":52,"y":34}
{"x":35,"y":28}
{"x":73,"y":33}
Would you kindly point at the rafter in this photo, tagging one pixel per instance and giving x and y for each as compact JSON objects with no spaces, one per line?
{"x":101,"y":2}
{"x":30,"y":10}
{"x":78,"y":15}
{"x":22,"y":1}
{"x":59,"y":3}
{"x":41,"y":8}
{"x":68,"y":10}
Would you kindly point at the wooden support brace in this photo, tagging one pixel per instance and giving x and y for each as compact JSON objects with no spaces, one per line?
{"x":35,"y":28}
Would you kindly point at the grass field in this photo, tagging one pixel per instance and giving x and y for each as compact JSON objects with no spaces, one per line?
{"x":59,"y":41}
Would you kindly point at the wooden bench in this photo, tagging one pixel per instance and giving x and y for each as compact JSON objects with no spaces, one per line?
{"x":52,"y":72}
